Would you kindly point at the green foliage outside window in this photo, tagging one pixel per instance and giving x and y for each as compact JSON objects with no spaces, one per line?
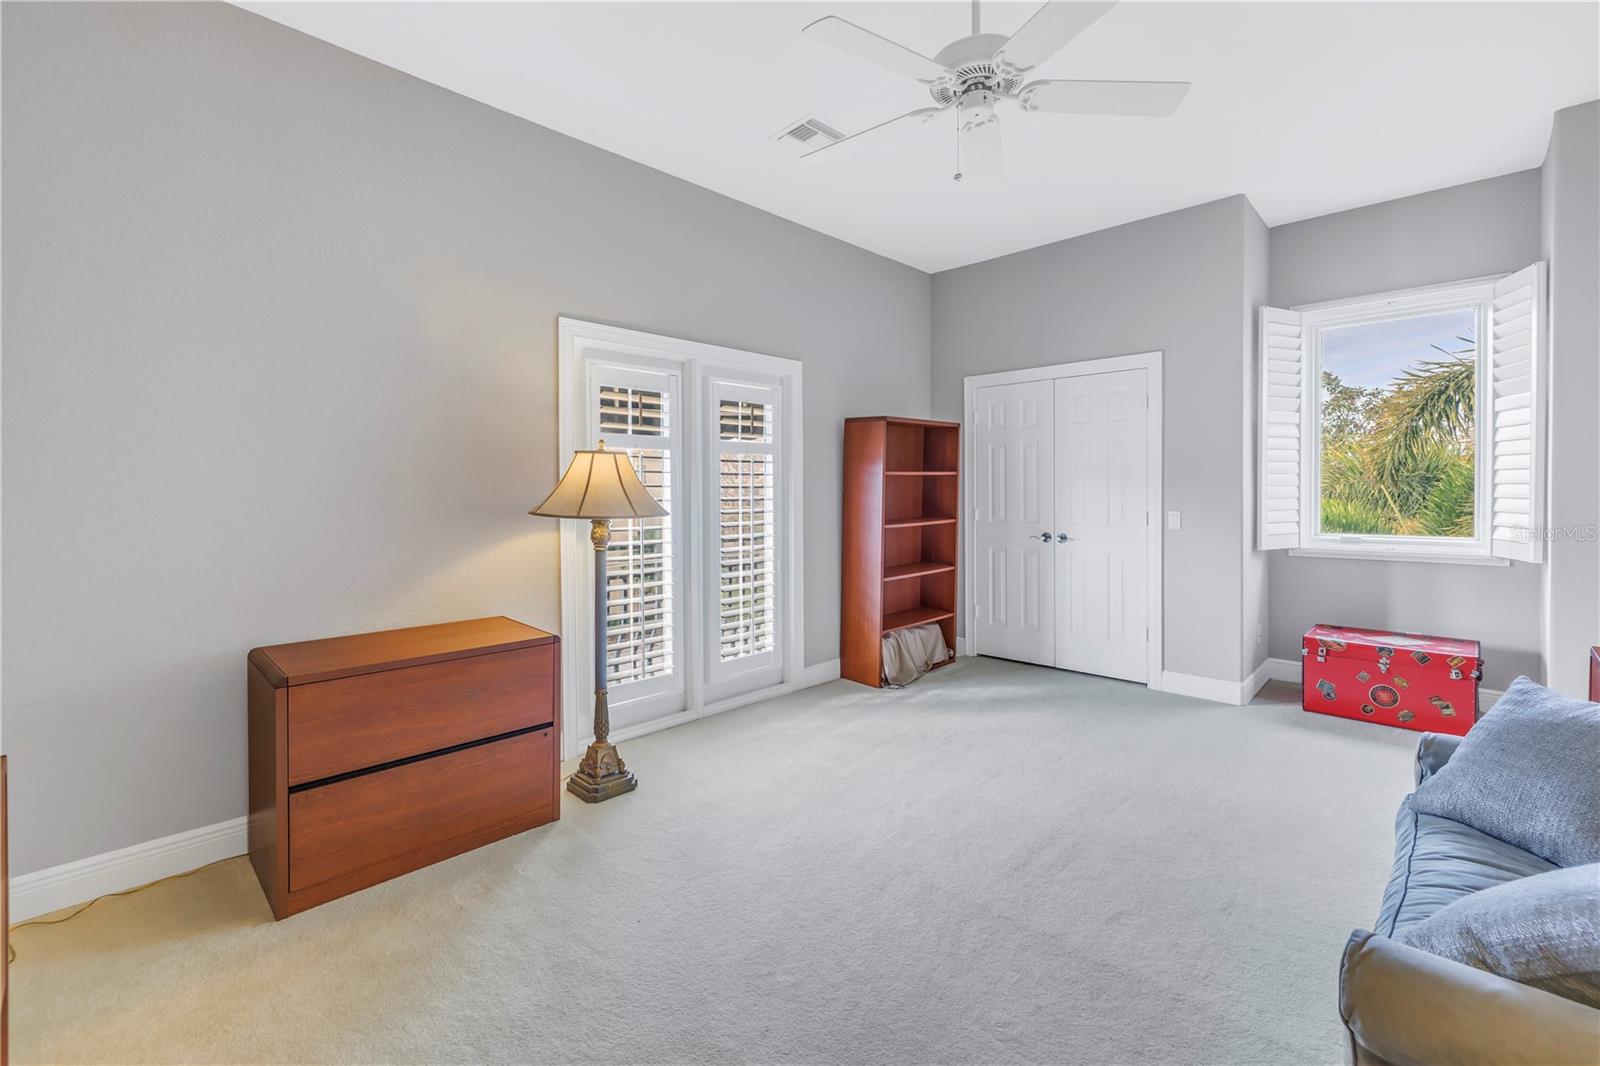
{"x":1400,"y":460}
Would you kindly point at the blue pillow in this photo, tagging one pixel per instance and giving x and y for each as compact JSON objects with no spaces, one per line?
{"x":1528,"y":774}
{"x":1542,"y":930}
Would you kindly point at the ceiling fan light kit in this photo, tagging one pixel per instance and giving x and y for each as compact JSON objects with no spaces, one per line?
{"x":975,"y":73}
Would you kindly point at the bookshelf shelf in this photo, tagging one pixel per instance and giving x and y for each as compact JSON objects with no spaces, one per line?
{"x":910,"y":523}
{"x":916,"y":616}
{"x":900,"y":573}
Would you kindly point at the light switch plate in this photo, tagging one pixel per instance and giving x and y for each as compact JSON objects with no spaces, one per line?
{"x":1174,"y":520}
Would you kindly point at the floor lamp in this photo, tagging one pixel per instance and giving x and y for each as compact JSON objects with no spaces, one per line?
{"x":600,"y":485}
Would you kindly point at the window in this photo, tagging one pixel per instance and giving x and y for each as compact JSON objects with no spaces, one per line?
{"x":702,"y":606}
{"x":1405,"y":426}
{"x":1398,"y":402}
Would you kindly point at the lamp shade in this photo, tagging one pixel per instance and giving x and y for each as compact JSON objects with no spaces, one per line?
{"x":600,"y":484}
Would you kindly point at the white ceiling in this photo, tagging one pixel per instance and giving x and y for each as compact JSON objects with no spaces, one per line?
{"x":1306,"y":108}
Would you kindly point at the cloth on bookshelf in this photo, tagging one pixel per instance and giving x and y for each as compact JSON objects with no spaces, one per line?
{"x":911,"y":652}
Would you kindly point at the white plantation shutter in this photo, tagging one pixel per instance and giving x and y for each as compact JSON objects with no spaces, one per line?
{"x":639,"y":582}
{"x":1281,"y":458}
{"x":744,"y":457}
{"x":634,"y":411}
{"x":1516,"y":413}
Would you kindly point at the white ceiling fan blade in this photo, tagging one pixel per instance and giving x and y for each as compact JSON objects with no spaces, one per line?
{"x":1048,"y":31}
{"x":1155,"y":99}
{"x":978,"y":141}
{"x":923,"y":113}
{"x":864,"y":44}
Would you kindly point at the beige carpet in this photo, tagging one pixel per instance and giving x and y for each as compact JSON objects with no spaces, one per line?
{"x":1000,"y":863}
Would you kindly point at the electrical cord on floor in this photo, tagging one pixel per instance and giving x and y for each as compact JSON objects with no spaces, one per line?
{"x":11,"y":955}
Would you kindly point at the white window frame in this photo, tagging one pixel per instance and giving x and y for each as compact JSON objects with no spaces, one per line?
{"x":580,"y":343}
{"x":1477,"y":293}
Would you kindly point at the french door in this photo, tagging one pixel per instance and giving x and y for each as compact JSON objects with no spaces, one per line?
{"x":636,"y":408}
{"x":741,"y":554}
{"x":1060,"y":481}
{"x":702,"y":605}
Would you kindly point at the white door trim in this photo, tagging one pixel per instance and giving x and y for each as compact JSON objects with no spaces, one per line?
{"x":575,"y":339}
{"x":1151,"y":363}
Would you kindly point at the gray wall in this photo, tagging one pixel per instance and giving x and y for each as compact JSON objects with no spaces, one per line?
{"x":1570,"y":238}
{"x":1256,"y":602}
{"x":279,"y":330}
{"x":1486,"y":227}
{"x":1173,"y":283}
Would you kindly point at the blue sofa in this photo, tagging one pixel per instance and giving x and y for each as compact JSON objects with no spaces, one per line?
{"x":1402,"y":1006}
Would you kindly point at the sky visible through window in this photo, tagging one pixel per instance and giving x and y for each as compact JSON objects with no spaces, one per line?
{"x":1374,"y":354}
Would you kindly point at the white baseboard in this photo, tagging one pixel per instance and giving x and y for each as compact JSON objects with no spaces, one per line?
{"x":1289,"y":670}
{"x":1252,"y":684}
{"x":1206,"y":688}
{"x":817,"y":674}
{"x":640,"y":729}
{"x":1234,"y":693}
{"x":1284,"y":670}
{"x":75,"y":882}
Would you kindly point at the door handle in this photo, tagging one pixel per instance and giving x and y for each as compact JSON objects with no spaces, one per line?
{"x":1062,"y":537}
{"x":1045,"y":536}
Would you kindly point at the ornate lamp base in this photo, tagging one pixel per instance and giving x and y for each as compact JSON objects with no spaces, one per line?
{"x":601,"y":774}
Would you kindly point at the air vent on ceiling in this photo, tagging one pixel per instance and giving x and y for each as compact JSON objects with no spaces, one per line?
{"x":807,"y":133}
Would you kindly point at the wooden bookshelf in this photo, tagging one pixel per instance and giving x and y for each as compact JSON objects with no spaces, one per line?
{"x":902,"y":498}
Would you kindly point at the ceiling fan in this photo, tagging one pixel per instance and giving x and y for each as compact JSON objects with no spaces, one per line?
{"x":978,"y":71}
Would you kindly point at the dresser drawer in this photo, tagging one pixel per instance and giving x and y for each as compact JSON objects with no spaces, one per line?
{"x":356,"y":722}
{"x":348,"y":825}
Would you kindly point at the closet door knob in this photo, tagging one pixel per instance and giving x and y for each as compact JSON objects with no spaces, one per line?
{"x":1045,"y":536}
{"x":1062,"y":537}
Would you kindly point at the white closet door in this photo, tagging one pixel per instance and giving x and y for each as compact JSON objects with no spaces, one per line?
{"x":1014,"y":484}
{"x":1100,"y":507}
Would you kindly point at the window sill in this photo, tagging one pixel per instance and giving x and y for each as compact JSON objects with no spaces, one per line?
{"x":1382,"y":555}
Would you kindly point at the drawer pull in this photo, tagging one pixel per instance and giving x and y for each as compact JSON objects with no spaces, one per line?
{"x":364,"y":771}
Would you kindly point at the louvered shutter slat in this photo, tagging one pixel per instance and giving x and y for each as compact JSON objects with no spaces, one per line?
{"x":1282,"y":402}
{"x":1516,"y":446}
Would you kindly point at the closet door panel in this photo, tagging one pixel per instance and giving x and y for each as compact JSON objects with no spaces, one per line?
{"x":1014,"y":489}
{"x":1101,"y":500}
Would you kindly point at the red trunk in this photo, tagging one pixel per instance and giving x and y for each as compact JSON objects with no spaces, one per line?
{"x":1397,"y":679}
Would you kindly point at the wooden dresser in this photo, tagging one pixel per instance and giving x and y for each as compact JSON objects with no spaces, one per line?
{"x":377,"y":754}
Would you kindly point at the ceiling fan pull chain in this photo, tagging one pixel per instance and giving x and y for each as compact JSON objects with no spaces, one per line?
{"x":957,"y":176}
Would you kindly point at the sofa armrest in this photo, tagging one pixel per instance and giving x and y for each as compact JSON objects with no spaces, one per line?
{"x":1433,"y":751}
{"x":1412,"y":1008}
